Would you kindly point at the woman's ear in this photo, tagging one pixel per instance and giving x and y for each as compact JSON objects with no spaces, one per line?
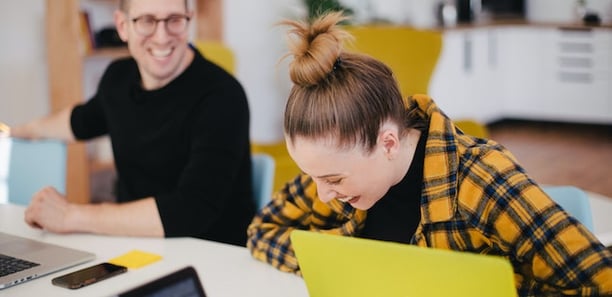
{"x":389,"y":140}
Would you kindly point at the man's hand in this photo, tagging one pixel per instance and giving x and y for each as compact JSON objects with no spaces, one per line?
{"x":49,"y":210}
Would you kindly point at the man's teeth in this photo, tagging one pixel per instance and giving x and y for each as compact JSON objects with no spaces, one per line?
{"x":161,"y":53}
{"x":345,"y":199}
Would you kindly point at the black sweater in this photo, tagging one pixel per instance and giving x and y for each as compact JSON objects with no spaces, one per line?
{"x":186,"y":144}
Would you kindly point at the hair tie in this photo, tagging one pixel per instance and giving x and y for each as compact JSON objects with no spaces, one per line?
{"x":337,"y":64}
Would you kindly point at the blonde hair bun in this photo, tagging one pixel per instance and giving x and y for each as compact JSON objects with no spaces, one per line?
{"x":315,"y":47}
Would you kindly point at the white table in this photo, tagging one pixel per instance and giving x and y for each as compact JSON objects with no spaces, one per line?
{"x":5,"y":157}
{"x":601,"y":207}
{"x":224,"y":270}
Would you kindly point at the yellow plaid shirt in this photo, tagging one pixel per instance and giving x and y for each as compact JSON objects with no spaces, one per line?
{"x":475,"y":198}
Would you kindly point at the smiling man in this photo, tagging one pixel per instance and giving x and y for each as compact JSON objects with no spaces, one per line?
{"x":179,"y":127}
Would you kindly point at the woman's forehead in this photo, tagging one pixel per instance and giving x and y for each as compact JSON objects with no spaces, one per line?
{"x":318,"y":157}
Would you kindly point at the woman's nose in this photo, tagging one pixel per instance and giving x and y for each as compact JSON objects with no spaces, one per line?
{"x":326,"y":193}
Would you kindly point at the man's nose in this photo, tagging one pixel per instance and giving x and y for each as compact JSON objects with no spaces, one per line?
{"x":160,"y":30}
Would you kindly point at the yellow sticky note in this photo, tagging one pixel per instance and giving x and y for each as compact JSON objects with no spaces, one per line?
{"x":135,"y":259}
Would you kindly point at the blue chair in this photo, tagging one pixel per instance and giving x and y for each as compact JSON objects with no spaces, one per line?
{"x":263,"y":178}
{"x":34,"y":165}
{"x":573,"y":200}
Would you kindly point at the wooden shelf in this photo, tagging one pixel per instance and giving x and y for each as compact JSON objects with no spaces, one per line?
{"x":110,"y":52}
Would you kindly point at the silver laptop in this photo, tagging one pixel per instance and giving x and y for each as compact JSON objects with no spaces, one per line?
{"x":23,"y":259}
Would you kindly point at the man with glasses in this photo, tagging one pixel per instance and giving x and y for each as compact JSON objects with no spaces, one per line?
{"x":179,"y":127}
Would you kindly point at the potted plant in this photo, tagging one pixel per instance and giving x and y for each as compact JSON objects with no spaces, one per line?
{"x":318,"y":7}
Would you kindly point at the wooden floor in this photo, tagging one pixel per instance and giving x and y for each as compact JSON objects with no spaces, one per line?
{"x":560,"y":153}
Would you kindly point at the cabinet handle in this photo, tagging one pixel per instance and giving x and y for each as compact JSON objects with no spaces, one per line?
{"x":575,"y":77}
{"x":467,"y":53}
{"x":492,"y":48}
{"x":576,"y":47}
{"x":575,"y":62}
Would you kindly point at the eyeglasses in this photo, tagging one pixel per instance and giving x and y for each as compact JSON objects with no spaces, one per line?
{"x":147,"y":24}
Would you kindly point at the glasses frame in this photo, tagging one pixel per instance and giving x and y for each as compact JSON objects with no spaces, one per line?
{"x":165,"y":20}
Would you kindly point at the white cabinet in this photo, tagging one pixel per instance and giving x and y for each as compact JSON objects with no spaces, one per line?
{"x":464,"y":84}
{"x":560,"y":74}
{"x":578,"y":75}
{"x":521,"y":52}
{"x":526,"y":72}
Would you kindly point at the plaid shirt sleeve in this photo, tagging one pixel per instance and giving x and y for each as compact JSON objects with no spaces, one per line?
{"x":550,"y":250}
{"x":297,"y":206}
{"x":477,"y":198}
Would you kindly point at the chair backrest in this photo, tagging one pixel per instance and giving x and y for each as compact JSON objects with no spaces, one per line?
{"x":218,"y":53}
{"x":34,"y":165}
{"x":573,"y":200}
{"x":411,"y":53}
{"x":263,"y":178}
{"x":472,"y":127}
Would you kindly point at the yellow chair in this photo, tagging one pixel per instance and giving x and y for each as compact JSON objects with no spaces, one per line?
{"x":218,"y":53}
{"x":472,"y":127}
{"x":411,"y":53}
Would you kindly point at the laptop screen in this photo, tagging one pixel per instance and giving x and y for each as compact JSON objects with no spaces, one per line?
{"x":184,"y":282}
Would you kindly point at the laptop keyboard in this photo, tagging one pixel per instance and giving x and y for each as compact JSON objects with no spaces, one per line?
{"x":9,"y":265}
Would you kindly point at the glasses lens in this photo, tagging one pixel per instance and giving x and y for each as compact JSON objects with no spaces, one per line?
{"x":145,"y":25}
{"x":176,"y":24}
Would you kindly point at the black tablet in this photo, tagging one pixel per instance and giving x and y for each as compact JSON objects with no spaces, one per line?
{"x":183,"y":282}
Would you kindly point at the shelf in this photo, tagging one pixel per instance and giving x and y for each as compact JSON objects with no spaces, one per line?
{"x":110,"y":52}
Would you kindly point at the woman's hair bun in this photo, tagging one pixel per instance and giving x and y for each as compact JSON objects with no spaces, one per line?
{"x":315,"y":47}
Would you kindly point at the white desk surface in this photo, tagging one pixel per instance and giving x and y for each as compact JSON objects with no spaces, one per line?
{"x":224,"y":270}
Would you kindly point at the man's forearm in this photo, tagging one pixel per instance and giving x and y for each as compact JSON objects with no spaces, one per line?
{"x":136,"y":218}
{"x":54,"y":126}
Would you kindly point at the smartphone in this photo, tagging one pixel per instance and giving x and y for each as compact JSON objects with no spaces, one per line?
{"x":88,"y":276}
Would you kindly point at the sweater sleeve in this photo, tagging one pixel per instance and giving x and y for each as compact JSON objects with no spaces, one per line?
{"x":87,"y":120}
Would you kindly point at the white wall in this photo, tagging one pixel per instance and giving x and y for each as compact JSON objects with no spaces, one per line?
{"x":565,"y":10}
{"x":249,"y":30}
{"x":23,"y":65}
{"x":258,"y":45}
